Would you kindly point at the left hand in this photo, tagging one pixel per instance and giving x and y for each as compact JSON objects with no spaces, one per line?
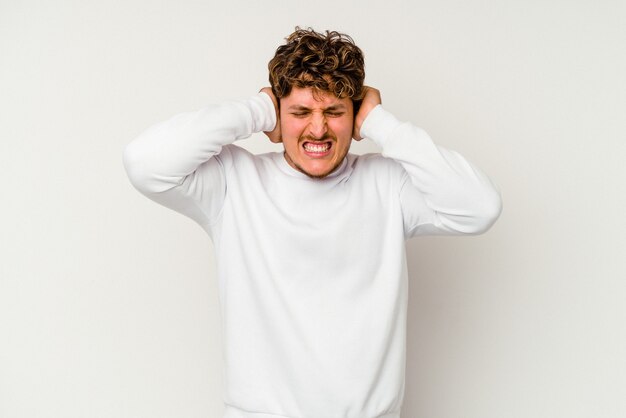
{"x":275,"y":135}
{"x":371,"y":99}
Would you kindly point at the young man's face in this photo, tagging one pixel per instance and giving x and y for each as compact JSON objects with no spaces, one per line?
{"x":316,"y":130}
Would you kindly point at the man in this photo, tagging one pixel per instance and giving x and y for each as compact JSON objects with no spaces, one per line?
{"x":310,"y":242}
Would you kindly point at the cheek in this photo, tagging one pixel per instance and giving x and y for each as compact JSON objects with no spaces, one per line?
{"x":290,"y":133}
{"x":291,"y":128}
{"x":343,"y":129}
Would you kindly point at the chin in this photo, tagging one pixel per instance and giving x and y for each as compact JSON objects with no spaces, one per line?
{"x":316,"y":168}
{"x":318,"y":172}
{"x":316,"y":175}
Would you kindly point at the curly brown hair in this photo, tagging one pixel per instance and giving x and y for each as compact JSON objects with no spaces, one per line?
{"x":329,"y":62}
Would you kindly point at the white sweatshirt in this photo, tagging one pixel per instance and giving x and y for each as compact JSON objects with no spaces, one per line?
{"x":312,"y":273}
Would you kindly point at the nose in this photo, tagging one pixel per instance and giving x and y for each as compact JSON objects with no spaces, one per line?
{"x":318,"y":126}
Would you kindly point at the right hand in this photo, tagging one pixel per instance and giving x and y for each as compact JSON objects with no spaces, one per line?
{"x":274,"y":135}
{"x":371,"y":99}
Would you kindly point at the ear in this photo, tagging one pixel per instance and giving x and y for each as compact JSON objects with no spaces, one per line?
{"x":356,"y":105}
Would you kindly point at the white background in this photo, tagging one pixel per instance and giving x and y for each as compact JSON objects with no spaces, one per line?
{"x":108,"y":302}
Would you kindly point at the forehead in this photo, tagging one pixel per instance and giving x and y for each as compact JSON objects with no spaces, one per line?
{"x":306,"y":97}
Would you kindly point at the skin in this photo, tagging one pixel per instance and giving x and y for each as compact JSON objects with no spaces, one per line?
{"x":305,"y":120}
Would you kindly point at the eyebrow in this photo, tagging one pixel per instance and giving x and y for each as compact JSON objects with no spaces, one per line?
{"x":338,"y":106}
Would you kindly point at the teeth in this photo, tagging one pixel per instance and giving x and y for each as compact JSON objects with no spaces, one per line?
{"x":316,"y":147}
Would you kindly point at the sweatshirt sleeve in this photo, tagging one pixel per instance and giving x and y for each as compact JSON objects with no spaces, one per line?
{"x":441,"y":192}
{"x":178,"y":163}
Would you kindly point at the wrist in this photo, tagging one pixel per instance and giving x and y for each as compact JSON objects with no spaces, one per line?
{"x":378,"y":125}
{"x":263,"y":112}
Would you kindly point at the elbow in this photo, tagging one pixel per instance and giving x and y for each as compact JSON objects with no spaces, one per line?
{"x":487,"y":212}
{"x":131,"y":164}
{"x":135,"y":167}
{"x":145,"y":172}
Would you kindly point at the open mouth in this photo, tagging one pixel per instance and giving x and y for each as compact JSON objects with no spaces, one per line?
{"x":317,"y":149}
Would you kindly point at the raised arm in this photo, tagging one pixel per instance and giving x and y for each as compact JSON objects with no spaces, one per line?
{"x":177,"y":162}
{"x":441,"y":192}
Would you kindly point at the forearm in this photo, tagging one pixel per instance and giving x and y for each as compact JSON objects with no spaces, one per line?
{"x":462,"y":197}
{"x":163,"y":155}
